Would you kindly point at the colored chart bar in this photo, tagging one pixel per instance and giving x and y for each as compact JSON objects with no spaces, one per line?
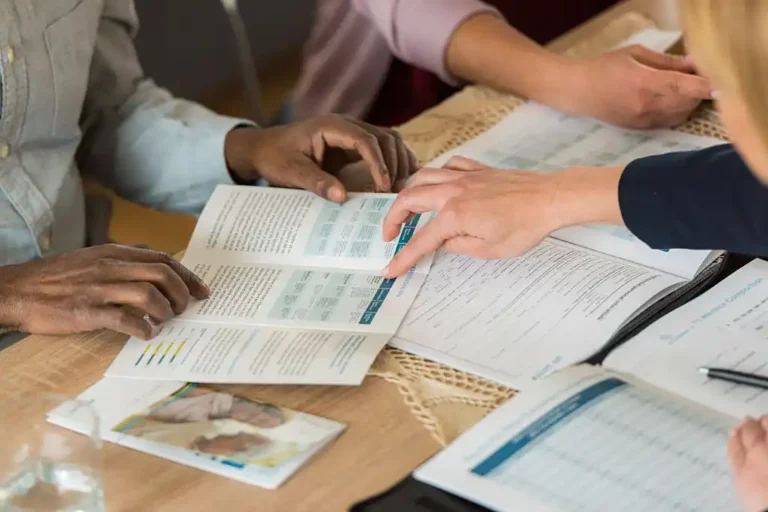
{"x":146,"y":349}
{"x":154,"y":353}
{"x":165,"y":354}
{"x":178,"y":350}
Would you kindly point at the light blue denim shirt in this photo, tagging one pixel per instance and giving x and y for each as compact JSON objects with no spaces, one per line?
{"x":74,"y":98}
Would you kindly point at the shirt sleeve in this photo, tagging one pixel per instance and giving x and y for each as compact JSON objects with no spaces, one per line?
{"x":419,"y":31}
{"x":707,"y":199}
{"x":138,"y":139}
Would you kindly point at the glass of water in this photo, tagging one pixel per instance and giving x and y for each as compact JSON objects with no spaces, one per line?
{"x":47,"y":468}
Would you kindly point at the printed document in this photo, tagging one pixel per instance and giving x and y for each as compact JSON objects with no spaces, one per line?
{"x":646,"y":431}
{"x":517,"y":320}
{"x":588,"y":439}
{"x":297,"y":295}
{"x":727,"y":327}
{"x":538,"y":138}
{"x":207,"y":428}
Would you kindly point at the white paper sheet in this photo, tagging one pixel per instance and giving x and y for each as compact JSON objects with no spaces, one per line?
{"x":588,"y":440}
{"x":538,"y":138}
{"x":515,"y":321}
{"x":261,"y":225}
{"x":194,"y":352}
{"x":654,"y":38}
{"x":727,"y":327}
{"x":310,"y":298}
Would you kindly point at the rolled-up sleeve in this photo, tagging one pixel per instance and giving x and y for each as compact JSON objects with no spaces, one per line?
{"x":419,"y":31}
{"x":138,"y":139}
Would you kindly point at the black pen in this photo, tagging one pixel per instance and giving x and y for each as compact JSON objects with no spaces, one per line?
{"x":747,"y":379}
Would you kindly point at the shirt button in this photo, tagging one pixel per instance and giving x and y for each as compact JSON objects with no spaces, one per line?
{"x":5,"y":150}
{"x":45,"y":243}
{"x":10,"y":54}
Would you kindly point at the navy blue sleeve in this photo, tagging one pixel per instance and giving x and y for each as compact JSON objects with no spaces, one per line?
{"x":705,"y":199}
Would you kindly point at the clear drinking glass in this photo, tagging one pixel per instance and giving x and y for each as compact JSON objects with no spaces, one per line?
{"x":44,"y":467}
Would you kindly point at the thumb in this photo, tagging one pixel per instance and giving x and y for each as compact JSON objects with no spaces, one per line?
{"x":661,"y":61}
{"x":305,"y":174}
{"x":460,"y":163}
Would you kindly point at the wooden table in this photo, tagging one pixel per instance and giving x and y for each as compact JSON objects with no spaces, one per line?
{"x":383,"y":443}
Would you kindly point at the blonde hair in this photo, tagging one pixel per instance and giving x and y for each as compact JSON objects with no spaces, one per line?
{"x":729,"y":39}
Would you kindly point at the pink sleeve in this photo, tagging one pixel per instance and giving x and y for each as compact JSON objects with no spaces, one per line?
{"x":418,"y":31}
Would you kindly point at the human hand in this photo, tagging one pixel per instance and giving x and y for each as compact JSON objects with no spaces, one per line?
{"x":310,"y":154}
{"x":633,"y":87}
{"x":86,"y":290}
{"x":748,"y":452}
{"x":490,"y":213}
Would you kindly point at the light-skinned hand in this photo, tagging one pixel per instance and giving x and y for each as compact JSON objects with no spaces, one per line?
{"x":490,"y":213}
{"x":632,"y":87}
{"x":748,"y":453}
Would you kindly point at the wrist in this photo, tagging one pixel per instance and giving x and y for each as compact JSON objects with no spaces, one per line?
{"x":9,"y":321}
{"x":240,"y":145}
{"x":562,"y":83}
{"x":553,"y":79}
{"x":588,"y":195}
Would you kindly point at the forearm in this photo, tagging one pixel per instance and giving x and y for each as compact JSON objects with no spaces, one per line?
{"x":587,"y":195}
{"x":486,"y":50}
{"x":138,"y":139}
{"x":158,"y":150}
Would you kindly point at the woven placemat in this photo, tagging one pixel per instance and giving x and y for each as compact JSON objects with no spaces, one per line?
{"x":445,"y":400}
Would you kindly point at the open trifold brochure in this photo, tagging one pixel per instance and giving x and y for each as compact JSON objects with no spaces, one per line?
{"x":647,"y":431}
{"x":297,"y":295}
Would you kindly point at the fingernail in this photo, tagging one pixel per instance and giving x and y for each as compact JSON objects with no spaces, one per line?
{"x":714,"y":94}
{"x":688,"y":59}
{"x":206,"y":288}
{"x":385,"y":272}
{"x":335,"y":194}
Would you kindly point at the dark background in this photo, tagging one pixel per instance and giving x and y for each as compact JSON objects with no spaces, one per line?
{"x":188,"y":46}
